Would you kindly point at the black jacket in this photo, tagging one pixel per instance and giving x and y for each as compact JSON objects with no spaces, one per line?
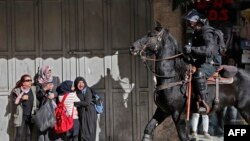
{"x":205,"y":49}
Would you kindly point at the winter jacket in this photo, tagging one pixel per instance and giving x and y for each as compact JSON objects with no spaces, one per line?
{"x":205,"y":51}
{"x":18,"y":115}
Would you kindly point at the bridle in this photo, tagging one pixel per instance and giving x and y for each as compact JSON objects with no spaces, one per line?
{"x":159,"y":39}
{"x":143,"y":56}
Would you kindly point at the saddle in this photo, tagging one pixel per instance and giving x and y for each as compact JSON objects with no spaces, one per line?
{"x":224,"y":73}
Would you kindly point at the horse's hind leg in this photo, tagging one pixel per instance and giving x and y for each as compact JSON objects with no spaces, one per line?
{"x":181,"y":126}
{"x":245,"y":113}
{"x":157,"y":119}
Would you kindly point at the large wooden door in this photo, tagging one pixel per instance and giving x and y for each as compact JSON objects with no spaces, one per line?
{"x":88,"y":38}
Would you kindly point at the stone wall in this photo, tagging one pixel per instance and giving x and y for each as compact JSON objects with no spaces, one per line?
{"x":162,"y":12}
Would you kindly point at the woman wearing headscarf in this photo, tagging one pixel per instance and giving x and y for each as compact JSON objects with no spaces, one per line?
{"x":24,"y":95}
{"x":46,"y":85}
{"x":67,"y":87}
{"x":86,"y":110}
{"x":43,"y":78}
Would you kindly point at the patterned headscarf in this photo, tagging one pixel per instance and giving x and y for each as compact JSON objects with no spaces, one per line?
{"x":45,"y":75}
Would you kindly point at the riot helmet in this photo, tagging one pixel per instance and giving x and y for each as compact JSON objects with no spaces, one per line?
{"x":193,"y":16}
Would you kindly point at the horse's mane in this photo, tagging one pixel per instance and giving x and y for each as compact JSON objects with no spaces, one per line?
{"x":181,"y":68}
{"x":180,"y":65}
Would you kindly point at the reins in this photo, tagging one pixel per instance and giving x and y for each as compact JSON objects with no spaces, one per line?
{"x":167,"y":85}
{"x":167,"y":58}
{"x":145,"y":59}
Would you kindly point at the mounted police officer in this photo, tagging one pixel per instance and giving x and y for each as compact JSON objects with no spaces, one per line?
{"x":202,"y":52}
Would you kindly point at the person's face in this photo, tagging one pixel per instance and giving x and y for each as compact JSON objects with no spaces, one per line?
{"x":192,"y":24}
{"x":27,"y":82}
{"x":49,"y":86}
{"x":48,"y":74}
{"x":80,"y":85}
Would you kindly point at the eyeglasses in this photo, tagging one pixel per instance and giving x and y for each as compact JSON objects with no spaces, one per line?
{"x":28,"y":80}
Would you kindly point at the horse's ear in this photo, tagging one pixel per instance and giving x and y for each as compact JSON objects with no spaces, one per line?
{"x":158,"y":24}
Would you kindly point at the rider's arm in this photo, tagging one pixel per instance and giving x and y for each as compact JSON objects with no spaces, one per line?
{"x":208,"y":49}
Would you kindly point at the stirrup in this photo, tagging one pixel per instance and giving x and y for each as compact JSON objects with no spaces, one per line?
{"x":206,"y":106}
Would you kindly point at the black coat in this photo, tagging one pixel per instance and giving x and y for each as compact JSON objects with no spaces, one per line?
{"x":87,"y":115}
{"x":205,"y":51}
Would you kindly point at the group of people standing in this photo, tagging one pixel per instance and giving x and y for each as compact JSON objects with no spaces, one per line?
{"x":28,"y":97}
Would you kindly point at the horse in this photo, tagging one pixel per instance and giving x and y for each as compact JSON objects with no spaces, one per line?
{"x":170,"y":72}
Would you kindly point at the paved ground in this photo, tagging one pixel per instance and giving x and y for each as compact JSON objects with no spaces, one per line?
{"x":213,"y":138}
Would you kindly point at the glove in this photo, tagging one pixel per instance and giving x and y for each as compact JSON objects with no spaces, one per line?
{"x":187,"y":57}
{"x":187,"y":49}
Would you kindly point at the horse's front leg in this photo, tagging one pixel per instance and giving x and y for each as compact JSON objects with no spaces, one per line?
{"x":157,"y":119}
{"x":181,"y":126}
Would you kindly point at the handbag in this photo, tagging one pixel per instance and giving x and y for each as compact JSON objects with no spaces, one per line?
{"x":45,"y":117}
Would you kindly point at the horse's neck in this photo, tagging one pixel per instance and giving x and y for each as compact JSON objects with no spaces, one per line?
{"x":173,"y":69}
{"x":164,"y":68}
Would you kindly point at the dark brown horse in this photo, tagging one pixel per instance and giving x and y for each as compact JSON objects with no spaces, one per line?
{"x":170,"y":68}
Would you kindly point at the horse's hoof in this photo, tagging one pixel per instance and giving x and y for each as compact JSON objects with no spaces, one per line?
{"x":147,"y":137}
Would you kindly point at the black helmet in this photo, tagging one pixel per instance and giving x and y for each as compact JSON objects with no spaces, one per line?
{"x":193,"y":15}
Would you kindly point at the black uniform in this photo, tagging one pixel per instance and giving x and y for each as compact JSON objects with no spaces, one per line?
{"x":206,"y":58}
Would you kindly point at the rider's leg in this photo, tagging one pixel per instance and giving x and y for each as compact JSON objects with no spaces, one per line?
{"x":200,"y":86}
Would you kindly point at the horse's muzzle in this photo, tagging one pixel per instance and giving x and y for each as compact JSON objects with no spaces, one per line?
{"x":132,"y":50}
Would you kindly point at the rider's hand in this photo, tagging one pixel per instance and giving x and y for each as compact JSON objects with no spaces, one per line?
{"x":187,"y":49}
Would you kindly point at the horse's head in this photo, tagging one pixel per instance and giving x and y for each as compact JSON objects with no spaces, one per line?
{"x":160,"y":43}
{"x":150,"y":43}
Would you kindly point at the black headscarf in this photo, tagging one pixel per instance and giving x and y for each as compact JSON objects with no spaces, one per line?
{"x":77,"y":80}
{"x":65,"y":87}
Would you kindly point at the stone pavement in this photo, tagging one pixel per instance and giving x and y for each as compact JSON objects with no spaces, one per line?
{"x":213,"y":138}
